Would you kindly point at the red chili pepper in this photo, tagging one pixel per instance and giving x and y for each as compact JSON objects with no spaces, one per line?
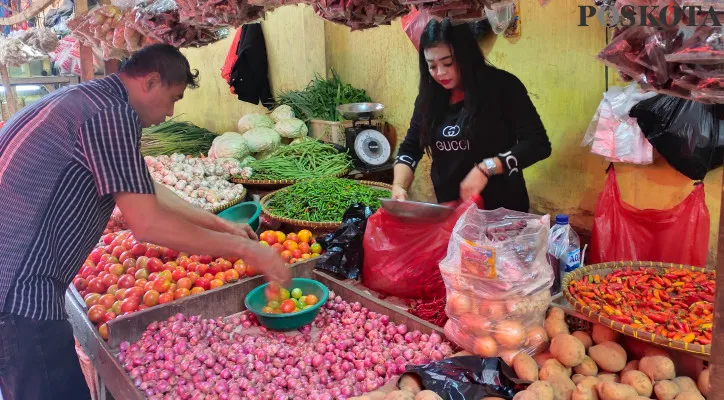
{"x":660,"y":318}
{"x":624,"y":319}
{"x":706,"y":297}
{"x":704,"y":341}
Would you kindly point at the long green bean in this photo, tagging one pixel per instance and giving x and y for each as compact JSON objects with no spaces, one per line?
{"x":324,"y":199}
{"x":305,"y":160}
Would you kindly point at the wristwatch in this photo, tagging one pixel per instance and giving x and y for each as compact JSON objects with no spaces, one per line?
{"x":490,"y":166}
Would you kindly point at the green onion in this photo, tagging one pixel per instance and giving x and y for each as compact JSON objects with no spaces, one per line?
{"x":172,"y":136}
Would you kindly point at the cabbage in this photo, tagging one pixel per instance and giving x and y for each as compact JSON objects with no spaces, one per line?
{"x":251,"y":121}
{"x":291,"y":128}
{"x":282,"y":112}
{"x":229,"y":145}
{"x":246,"y":161}
{"x":261,"y":139}
{"x":301,"y":139}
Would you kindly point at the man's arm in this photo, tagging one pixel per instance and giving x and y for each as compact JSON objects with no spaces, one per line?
{"x":173,"y":203}
{"x":151,"y":222}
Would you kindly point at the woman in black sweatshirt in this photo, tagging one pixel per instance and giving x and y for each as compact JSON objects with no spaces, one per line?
{"x":475,"y":121}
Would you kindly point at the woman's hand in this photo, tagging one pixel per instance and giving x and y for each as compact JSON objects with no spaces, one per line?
{"x":243,"y":230}
{"x":473,"y":184}
{"x":398,"y":192}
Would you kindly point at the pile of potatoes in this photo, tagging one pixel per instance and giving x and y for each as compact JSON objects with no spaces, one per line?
{"x":580,"y":366}
{"x":497,"y":328}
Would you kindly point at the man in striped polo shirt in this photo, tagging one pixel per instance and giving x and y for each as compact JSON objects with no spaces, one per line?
{"x":65,"y":162}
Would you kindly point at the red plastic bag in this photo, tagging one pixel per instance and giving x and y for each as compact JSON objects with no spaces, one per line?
{"x":401,"y":259}
{"x":414,"y":23}
{"x":679,"y":235}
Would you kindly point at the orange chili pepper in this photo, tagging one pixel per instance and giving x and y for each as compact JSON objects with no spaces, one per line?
{"x":689,"y":338}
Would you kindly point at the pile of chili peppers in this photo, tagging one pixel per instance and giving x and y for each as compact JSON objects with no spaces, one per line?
{"x":675,"y":303}
{"x":431,"y":311}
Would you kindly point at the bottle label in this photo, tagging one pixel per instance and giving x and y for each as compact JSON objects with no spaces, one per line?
{"x":573,"y":260}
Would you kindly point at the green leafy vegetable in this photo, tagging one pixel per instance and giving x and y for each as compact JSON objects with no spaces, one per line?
{"x":173,"y":136}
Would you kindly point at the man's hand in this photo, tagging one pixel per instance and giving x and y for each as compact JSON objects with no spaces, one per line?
{"x":473,"y":184}
{"x":269,"y":263}
{"x":398,"y":192}
{"x":243,"y":230}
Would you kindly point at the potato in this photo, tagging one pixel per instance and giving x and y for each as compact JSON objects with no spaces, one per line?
{"x":526,"y":395}
{"x":609,"y":356}
{"x":652,"y":350}
{"x":400,"y":395}
{"x":567,"y":349}
{"x":584,"y":337}
{"x":614,"y":391}
{"x":553,"y":367}
{"x":410,"y":383}
{"x":588,"y":382}
{"x":525,"y":367}
{"x":686,"y":384}
{"x":563,"y":387}
{"x":430,"y":395}
{"x":541,"y":358}
{"x":541,"y":389}
{"x":602,"y":334}
{"x":584,"y":394}
{"x":376,"y":395}
{"x":556,"y":313}
{"x":637,"y":398}
{"x":689,"y":395}
{"x":633,"y":364}
{"x":587,"y":367}
{"x":658,"y":368}
{"x":577,"y":378}
{"x":703,"y":382}
{"x":666,"y":390}
{"x":555,"y":326}
{"x":639,"y":381}
{"x":608,"y":378}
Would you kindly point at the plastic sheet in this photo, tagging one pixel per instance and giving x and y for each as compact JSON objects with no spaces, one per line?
{"x":344,"y":251}
{"x":402,"y":258}
{"x":706,"y":46}
{"x":498,"y":282}
{"x":414,"y":24}
{"x":618,"y":53}
{"x":500,"y":15}
{"x":678,"y":235}
{"x":687,"y":133}
{"x":468,"y":377}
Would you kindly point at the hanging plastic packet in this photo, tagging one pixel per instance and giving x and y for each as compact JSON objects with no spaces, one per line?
{"x":467,"y":377}
{"x":709,"y":91}
{"x":706,"y":46}
{"x":621,"y":52}
{"x":500,"y":15}
{"x":703,"y":71}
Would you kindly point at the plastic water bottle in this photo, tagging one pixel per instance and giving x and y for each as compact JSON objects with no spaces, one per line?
{"x":564,"y":251}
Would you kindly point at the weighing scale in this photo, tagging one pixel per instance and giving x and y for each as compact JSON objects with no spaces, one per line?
{"x":369,"y":148}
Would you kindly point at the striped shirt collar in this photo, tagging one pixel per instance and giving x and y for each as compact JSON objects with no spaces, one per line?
{"x":115,"y":85}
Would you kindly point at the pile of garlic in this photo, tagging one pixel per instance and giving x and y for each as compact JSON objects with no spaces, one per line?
{"x":202,"y":182}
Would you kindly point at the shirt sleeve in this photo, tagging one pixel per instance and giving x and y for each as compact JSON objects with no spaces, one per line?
{"x":111,"y":143}
{"x":410,"y":152}
{"x":532,"y":140}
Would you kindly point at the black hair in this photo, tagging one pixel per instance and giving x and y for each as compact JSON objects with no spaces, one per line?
{"x":434,"y":99}
{"x":164,"y":59}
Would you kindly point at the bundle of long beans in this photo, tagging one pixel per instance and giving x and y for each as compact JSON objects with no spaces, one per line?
{"x":172,"y":136}
{"x":305,"y":160}
{"x":323,"y":199}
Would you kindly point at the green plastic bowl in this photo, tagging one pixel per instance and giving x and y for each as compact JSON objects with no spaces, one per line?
{"x":247,"y":213}
{"x":256,"y":300}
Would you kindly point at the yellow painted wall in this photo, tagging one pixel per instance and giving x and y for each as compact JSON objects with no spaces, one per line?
{"x":554,"y":58}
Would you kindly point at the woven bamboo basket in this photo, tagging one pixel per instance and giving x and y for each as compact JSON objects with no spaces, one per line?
{"x":231,"y":203}
{"x":608,"y":268}
{"x":327,"y":225}
{"x":276,"y":183}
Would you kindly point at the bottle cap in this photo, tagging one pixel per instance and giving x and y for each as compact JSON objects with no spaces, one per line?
{"x":562,"y":219}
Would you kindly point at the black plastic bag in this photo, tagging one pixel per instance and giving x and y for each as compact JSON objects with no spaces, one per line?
{"x":468,"y":377}
{"x":686,"y":133}
{"x":344,"y":253}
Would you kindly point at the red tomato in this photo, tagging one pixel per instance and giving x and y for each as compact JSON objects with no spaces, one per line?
{"x":134,"y":292}
{"x":150,"y":299}
{"x":141,"y":262}
{"x":152,"y":276}
{"x":278,"y":247}
{"x":80,"y":283}
{"x":231,"y":275}
{"x":96,"y":313}
{"x":184,"y":283}
{"x":103,"y":331}
{"x":184,"y":262}
{"x":165,"y":298}
{"x":96,"y":255}
{"x":197,"y":290}
{"x":141,"y":283}
{"x":112,"y":290}
{"x":183,"y":292}
{"x":273,"y":292}
{"x":164,"y":275}
{"x":154,"y":265}
{"x":192,"y":266}
{"x":202,"y":282}
{"x":108,"y":316}
{"x":142,"y":307}
{"x":86,"y":271}
{"x":225,"y":264}
{"x":286,"y":255}
{"x":208,"y":276}
{"x":214,"y":268}
{"x":129,"y":305}
{"x":117,"y":251}
{"x":288,"y":306}
{"x":178,"y":273}
{"x":290,"y":245}
{"x":112,"y":260}
{"x":293,"y":237}
{"x":105,"y":257}
{"x":141,"y":274}
{"x":215,"y":283}
{"x":129,"y":263}
{"x":96,"y":286}
{"x":91,"y":299}
{"x":128,"y":244}
{"x":251,"y":271}
{"x":296,"y":253}
{"x":161,"y":285}
{"x":138,"y":249}
{"x":202,"y":269}
{"x":126,"y":255}
{"x":106,"y":301}
{"x":119,"y":295}
{"x":304,"y":248}
{"x":171,"y":254}
{"x":108,"y":238}
{"x":116,"y":269}
{"x":194,"y":258}
{"x":240,"y":268}
{"x":220,"y":276}
{"x":193,"y":276}
{"x":152,"y":252}
{"x":205,"y":259}
{"x":148,"y":286}
{"x":126,"y":281}
{"x":131,"y":271}
{"x":171,"y":265}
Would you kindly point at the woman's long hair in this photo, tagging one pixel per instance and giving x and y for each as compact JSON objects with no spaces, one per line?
{"x":434,"y":99}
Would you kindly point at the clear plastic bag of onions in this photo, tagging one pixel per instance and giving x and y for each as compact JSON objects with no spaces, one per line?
{"x":498,"y":283}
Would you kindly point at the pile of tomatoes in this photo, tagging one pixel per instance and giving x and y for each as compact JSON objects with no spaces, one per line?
{"x":124,"y":275}
{"x":293,"y":247}
{"x":284,"y":301}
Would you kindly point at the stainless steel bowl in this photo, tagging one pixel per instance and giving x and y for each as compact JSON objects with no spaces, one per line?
{"x":413,"y":211}
{"x":357,"y":111}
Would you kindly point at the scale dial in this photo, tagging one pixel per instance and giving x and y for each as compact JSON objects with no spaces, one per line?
{"x":372,"y":147}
